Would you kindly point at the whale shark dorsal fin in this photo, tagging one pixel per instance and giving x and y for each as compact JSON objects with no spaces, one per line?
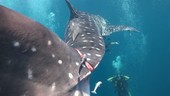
{"x":72,"y":10}
{"x":112,"y":28}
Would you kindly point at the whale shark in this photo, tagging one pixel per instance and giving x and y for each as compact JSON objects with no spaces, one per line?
{"x":34,"y":61}
{"x":85,"y":33}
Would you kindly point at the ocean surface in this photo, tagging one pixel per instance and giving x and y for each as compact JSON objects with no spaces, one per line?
{"x":144,"y":56}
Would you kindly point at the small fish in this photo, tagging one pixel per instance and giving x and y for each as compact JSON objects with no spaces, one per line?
{"x":96,"y":87}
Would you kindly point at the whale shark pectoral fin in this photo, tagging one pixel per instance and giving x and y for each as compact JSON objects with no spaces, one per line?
{"x":111,"y":29}
{"x":82,"y":88}
{"x":85,"y":86}
{"x":72,"y":10}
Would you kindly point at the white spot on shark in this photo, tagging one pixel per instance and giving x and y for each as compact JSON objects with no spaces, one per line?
{"x":16,"y":44}
{"x":70,"y":75}
{"x":49,"y":42}
{"x":91,"y":41}
{"x":98,"y":55}
{"x":72,"y":23}
{"x":30,"y":76}
{"x":85,"y":41}
{"x":60,"y":61}
{"x":53,"y":86}
{"x":88,"y":54}
{"x":101,"y":44}
{"x":88,"y":59}
{"x":84,"y":47}
{"x":82,"y":35}
{"x":88,"y":33}
{"x":98,"y":49}
{"x":77,"y":63}
{"x":53,"y":55}
{"x":33,"y":49}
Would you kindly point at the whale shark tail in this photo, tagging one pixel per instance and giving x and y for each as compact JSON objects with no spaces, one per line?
{"x":112,"y":29}
{"x":72,"y":10}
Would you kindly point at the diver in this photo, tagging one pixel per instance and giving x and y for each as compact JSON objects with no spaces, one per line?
{"x":121,"y":85}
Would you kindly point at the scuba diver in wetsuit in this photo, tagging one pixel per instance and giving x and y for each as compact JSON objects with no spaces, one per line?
{"x":120,"y":83}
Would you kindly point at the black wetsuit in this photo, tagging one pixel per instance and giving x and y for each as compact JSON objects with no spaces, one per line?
{"x":121,"y":86}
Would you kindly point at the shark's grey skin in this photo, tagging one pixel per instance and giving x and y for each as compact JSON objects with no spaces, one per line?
{"x":35,"y":61}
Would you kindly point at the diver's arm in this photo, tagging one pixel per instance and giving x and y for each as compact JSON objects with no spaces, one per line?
{"x":126,"y":77}
{"x":110,"y":79}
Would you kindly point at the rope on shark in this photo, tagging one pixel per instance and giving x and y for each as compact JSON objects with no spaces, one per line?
{"x":84,"y":62}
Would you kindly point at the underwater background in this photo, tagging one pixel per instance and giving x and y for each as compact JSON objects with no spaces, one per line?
{"x":144,"y":56}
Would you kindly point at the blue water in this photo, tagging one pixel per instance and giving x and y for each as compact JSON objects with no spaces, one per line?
{"x":144,"y":56}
